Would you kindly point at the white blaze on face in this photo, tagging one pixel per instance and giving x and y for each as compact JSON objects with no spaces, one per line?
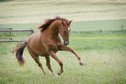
{"x":61,"y":39}
{"x":69,"y":29}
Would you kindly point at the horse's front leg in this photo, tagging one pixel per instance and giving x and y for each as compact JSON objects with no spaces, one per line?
{"x":71,"y":50}
{"x":48,"y":63}
{"x":53,"y":55}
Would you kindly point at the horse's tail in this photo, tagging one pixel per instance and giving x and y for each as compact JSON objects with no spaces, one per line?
{"x":19,"y":52}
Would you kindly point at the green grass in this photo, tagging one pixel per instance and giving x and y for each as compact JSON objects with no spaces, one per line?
{"x":98,"y":40}
{"x":103,"y":55}
{"x":104,"y":25}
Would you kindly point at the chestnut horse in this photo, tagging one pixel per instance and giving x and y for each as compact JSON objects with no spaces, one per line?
{"x":47,"y":42}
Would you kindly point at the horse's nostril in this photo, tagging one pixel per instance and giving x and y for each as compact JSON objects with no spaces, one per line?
{"x":66,"y":43}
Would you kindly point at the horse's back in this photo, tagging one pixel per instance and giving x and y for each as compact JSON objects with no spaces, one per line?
{"x":34,"y":37}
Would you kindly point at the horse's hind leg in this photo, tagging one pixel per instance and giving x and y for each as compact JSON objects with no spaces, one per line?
{"x":36,"y":58}
{"x":39,"y":64}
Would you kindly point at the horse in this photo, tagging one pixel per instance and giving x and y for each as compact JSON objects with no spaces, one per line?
{"x":52,"y":37}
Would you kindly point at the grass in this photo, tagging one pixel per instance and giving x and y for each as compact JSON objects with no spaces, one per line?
{"x":27,"y":11}
{"x":103,"y":54}
{"x":98,"y":40}
{"x":104,"y":25}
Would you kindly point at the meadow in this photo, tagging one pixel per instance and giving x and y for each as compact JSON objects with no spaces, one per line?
{"x":98,"y":35}
{"x":103,"y":55}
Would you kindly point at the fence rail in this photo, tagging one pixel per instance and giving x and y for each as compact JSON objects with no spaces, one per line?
{"x":9,"y":31}
{"x":16,"y":31}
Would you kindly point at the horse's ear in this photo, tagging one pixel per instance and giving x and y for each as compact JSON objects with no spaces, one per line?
{"x":70,"y":22}
{"x":63,"y":22}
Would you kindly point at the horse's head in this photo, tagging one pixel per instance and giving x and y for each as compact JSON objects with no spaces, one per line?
{"x":64,"y":30}
{"x":60,"y":25}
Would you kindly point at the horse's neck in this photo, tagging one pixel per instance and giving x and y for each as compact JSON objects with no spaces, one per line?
{"x":53,"y":32}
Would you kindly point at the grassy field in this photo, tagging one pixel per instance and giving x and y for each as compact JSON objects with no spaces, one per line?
{"x":35,"y":11}
{"x":103,"y":55}
{"x":98,"y":35}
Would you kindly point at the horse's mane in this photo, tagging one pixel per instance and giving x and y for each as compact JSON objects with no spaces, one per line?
{"x":48,"y":23}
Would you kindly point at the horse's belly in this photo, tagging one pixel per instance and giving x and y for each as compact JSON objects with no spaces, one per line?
{"x":41,"y":52}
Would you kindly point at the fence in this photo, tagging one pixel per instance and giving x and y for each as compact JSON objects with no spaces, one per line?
{"x":7,"y":34}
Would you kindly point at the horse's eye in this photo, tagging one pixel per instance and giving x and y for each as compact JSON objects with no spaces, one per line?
{"x":67,"y":24}
{"x":65,"y":32}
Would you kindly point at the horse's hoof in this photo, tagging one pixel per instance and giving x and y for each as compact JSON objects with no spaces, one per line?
{"x":81,"y":63}
{"x":59,"y":73}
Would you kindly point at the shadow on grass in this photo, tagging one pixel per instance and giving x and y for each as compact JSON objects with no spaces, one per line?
{"x":5,"y":0}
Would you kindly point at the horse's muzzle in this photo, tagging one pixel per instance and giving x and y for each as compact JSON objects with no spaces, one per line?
{"x":66,"y":43}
